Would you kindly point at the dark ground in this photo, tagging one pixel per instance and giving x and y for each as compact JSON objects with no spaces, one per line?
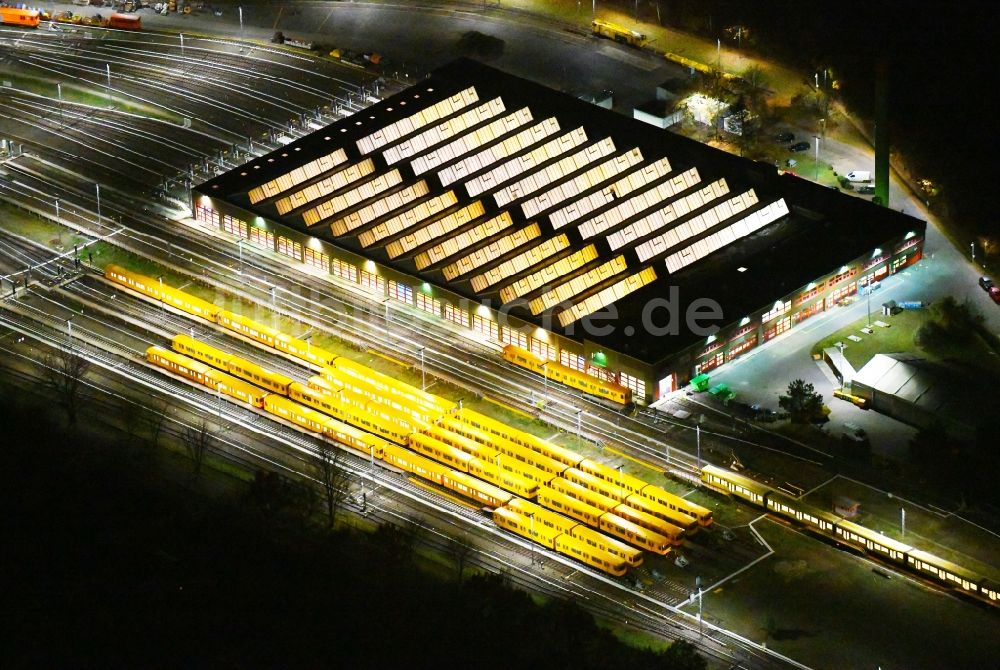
{"x":111,"y":560}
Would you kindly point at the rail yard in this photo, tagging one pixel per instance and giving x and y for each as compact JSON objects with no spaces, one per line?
{"x":589,"y":496}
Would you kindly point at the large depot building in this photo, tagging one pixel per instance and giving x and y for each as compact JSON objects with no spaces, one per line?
{"x":533,"y":218}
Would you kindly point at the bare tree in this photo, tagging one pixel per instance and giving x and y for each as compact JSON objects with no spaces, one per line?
{"x":460,"y":551}
{"x":64,"y":372}
{"x":154,"y":418}
{"x":334,"y":479}
{"x":196,"y":440}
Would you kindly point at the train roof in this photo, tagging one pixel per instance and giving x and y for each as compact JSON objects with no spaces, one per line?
{"x":475,"y":159}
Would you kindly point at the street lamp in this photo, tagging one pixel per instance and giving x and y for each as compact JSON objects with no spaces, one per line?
{"x":239,"y":244}
{"x":531,"y":522}
{"x":621,"y":483}
{"x":97,"y":188}
{"x":69,"y":331}
{"x":308,"y":347}
{"x":697,"y":440}
{"x":972,"y":247}
{"x":423,"y":373}
{"x":159,"y":278}
{"x":58,"y":223}
{"x":108,"y":88}
{"x":240,"y":11}
{"x":816,"y":137}
{"x":579,"y":420}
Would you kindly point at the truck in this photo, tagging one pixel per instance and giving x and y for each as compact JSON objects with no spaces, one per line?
{"x":858,"y":176}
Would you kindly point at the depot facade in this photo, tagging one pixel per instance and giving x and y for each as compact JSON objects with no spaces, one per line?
{"x":648,"y":381}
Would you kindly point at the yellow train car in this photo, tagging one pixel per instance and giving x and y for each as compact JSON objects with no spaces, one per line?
{"x":338,"y":431}
{"x":406,"y":460}
{"x":338,"y":380}
{"x":561,"y":374}
{"x":439,"y":451}
{"x":26,"y":18}
{"x":519,"y":437}
{"x":469,"y":446}
{"x":602,"y":560}
{"x":357,"y":411}
{"x":200,"y":351}
{"x":631,"y":555}
{"x":608,"y":522}
{"x":560,"y":542}
{"x":184,"y":366}
{"x":679,"y":519}
{"x":154,"y":288}
{"x":701,"y":514}
{"x":673,"y":533}
{"x":247,"y":327}
{"x":503,"y":478}
{"x":389,"y":386}
{"x":635,"y":486}
{"x":235,"y":388}
{"x":303,"y":350}
{"x":261,"y":376}
{"x":505,"y":447}
{"x":295,"y":413}
{"x":480,"y":491}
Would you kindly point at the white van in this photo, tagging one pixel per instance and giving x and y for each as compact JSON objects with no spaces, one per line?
{"x":858,"y":175}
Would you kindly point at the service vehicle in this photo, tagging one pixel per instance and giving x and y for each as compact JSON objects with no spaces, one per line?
{"x":858,"y":176}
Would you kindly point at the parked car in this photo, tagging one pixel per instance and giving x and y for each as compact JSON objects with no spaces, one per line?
{"x":866,"y":189}
{"x":985,"y":283}
{"x":995,"y":294}
{"x":784,"y":138}
{"x":799,"y":146}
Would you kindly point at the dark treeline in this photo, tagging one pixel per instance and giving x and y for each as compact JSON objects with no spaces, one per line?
{"x":107,"y":562}
{"x":941,"y":72}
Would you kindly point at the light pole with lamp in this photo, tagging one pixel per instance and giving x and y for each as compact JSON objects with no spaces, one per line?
{"x":62,"y":117}
{"x":307,"y":338}
{"x":972,"y":248}
{"x":239,"y":245}
{"x":697,"y":439}
{"x":159,"y":278}
{"x":58,"y":224}
{"x":816,"y":173}
{"x":97,"y":188}
{"x":531,"y":522}
{"x":69,"y":331}
{"x":240,"y":12}
{"x":107,"y":89}
{"x":423,"y":372}
{"x":579,"y":422}
{"x":621,"y":482}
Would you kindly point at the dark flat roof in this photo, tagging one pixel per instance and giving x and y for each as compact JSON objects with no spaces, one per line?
{"x":823,"y":229}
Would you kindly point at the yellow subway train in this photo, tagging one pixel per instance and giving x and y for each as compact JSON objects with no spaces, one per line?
{"x":827,"y":524}
{"x":559,"y":541}
{"x":561,"y":374}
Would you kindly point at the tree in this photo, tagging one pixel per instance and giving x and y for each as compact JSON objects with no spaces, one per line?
{"x":334,"y":479}
{"x":196,"y":439}
{"x":682,"y":655}
{"x":64,"y":372}
{"x":460,"y":551}
{"x":154,"y":416}
{"x":802,"y":403}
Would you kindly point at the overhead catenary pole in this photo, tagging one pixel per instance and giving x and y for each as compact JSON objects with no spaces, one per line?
{"x":697,"y":437}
